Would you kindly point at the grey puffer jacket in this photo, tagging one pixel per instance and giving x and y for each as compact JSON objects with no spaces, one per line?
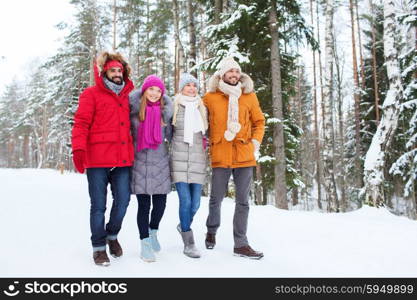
{"x":188,"y":163}
{"x":150,"y":171}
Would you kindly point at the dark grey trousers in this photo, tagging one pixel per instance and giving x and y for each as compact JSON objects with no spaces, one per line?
{"x":242,"y":178}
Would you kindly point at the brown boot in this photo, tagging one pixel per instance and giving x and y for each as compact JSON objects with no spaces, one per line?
{"x":210,"y":240}
{"x":248,"y":252}
{"x":101,"y":258}
{"x":115,"y":248}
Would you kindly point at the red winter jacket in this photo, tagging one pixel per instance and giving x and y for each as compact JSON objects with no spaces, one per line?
{"x":102,"y":125}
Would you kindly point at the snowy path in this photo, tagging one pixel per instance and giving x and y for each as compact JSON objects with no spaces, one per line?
{"x":44,"y":221}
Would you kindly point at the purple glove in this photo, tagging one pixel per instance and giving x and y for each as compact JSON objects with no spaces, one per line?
{"x":205,"y":142}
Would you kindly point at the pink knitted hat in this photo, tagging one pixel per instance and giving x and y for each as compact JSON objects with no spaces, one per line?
{"x":153,"y":80}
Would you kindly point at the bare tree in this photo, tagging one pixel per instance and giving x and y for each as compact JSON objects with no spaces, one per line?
{"x":316,"y":121}
{"x":328,"y":148}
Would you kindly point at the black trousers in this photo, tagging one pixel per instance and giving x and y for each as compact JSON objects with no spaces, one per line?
{"x":144,"y":206}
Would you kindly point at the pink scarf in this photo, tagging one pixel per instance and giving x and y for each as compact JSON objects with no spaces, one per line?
{"x":150,"y":130}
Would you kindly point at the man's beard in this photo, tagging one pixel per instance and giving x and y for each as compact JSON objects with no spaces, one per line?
{"x":112,"y":80}
{"x":229,"y":83}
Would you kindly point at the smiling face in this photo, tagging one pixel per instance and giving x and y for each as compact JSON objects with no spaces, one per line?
{"x":153,"y":94}
{"x":190,"y":90}
{"x":232,"y":76}
{"x":115,"y":75}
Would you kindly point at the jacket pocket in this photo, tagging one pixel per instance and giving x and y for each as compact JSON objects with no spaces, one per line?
{"x":103,"y":148}
{"x":216,"y":154}
{"x":244,"y":150}
{"x":104,"y":137}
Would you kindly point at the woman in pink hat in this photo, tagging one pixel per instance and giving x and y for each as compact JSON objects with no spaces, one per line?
{"x":150,"y":115}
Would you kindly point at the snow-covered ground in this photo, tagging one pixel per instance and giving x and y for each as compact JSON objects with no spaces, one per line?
{"x":44,"y":221}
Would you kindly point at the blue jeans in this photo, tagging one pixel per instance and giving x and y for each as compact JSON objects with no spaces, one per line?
{"x":98,"y":180}
{"x":189,"y":195}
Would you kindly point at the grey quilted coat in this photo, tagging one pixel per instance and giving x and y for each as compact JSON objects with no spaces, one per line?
{"x":188,"y":163}
{"x":150,"y":171}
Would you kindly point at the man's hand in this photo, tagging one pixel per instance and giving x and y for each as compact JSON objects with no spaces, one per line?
{"x":78,"y":158}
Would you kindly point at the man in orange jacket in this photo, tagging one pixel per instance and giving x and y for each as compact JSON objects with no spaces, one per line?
{"x":236,"y":129}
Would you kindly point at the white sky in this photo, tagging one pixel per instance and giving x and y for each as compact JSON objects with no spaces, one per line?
{"x":27,"y":31}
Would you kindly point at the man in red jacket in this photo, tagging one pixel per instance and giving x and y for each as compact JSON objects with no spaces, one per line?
{"x":102,"y":144}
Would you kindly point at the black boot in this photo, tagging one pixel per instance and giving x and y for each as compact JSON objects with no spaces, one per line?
{"x":210,"y":240}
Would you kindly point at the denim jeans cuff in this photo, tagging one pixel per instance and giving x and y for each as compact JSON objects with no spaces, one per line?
{"x":99,"y":248}
{"x":112,"y":237}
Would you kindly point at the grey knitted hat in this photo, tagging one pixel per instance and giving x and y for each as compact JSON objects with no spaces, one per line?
{"x":187,"y":78}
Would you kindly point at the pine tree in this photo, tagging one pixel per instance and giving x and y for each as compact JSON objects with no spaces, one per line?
{"x":404,"y":159}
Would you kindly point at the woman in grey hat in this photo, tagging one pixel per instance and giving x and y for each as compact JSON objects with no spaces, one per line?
{"x":188,"y":156}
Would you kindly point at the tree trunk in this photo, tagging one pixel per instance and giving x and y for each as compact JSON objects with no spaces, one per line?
{"x":356,"y":95}
{"x":316,"y":122}
{"x":44,"y":135}
{"x":300,"y":166}
{"x":217,"y":11}
{"x":374,"y":68}
{"x":341,"y":148}
{"x":328,"y":153}
{"x":362,"y":65}
{"x":148,"y":20}
{"x":10,"y":151}
{"x":92,"y":59}
{"x":320,"y":69}
{"x":26,"y":160}
{"x":280,"y":166}
{"x":294,"y":196}
{"x":375,"y":157}
{"x":225,"y":6}
{"x":258,"y":186}
{"x":192,"y":59}
{"x":114,"y":23}
{"x":180,"y":59}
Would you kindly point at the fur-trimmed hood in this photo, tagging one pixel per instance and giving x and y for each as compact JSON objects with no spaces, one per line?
{"x":247,"y":83}
{"x":98,"y":70}
{"x":105,"y":56}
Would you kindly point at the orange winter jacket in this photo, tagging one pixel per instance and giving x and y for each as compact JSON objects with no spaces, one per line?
{"x":239,"y":152}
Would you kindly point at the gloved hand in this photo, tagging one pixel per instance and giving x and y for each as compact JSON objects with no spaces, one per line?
{"x":78,"y":158}
{"x":257,"y":146}
{"x":205,"y":142}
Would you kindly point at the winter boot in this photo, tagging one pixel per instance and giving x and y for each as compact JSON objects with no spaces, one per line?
{"x":189,"y":246}
{"x":115,"y":248}
{"x":210,"y":240}
{"x":154,"y":240}
{"x":101,"y":258}
{"x":146,"y":252}
{"x":248,"y":252}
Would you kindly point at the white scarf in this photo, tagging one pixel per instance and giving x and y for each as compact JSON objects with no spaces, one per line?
{"x":193,"y":122}
{"x":234,"y":92}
